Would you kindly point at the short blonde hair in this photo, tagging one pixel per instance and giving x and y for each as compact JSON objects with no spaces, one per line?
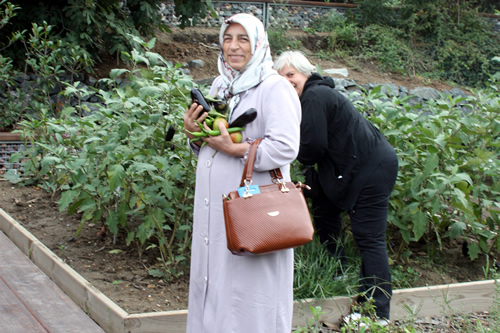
{"x":297,"y":59}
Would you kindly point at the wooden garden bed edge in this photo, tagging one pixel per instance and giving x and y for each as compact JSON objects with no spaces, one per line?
{"x":464,"y":297}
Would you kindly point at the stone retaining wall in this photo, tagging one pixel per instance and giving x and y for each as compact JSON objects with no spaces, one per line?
{"x":272,"y":14}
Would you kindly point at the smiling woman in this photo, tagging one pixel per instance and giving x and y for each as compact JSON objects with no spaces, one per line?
{"x":236,"y":47}
{"x":228,"y":293}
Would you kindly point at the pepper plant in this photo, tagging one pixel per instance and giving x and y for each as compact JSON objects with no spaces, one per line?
{"x":120,"y":165}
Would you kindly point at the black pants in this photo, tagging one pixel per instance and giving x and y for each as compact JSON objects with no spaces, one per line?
{"x":369,"y":224}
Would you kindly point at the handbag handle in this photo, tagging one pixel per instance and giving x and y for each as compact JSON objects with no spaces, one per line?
{"x":246,"y":177}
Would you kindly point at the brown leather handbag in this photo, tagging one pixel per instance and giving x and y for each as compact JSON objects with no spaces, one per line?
{"x":275,"y":219}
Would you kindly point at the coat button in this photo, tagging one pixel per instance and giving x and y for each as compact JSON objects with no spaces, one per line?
{"x":206,"y":201}
{"x":208,"y":163}
{"x":205,"y":240}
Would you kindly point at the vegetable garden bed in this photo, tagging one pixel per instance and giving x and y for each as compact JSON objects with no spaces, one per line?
{"x":424,"y":301}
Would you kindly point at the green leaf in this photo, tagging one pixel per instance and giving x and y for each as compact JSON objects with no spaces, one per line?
{"x":457,"y":229}
{"x":151,"y":43}
{"x":440,"y":140}
{"x":88,"y":205}
{"x":72,"y":209}
{"x":50,"y":160}
{"x":139,"y":57}
{"x":474,"y":250}
{"x":419,"y":225}
{"x":12,"y":176}
{"x":435,"y":205}
{"x":484,"y":155}
{"x":116,"y":72}
{"x":461,"y":201}
{"x":139,"y":168}
{"x":116,"y":174}
{"x":112,"y":222}
{"x":459,"y":177}
{"x":130,"y":237}
{"x":92,"y":139}
{"x":76,"y":164}
{"x":150,"y":91}
{"x":67,"y":197}
{"x":431,"y":163}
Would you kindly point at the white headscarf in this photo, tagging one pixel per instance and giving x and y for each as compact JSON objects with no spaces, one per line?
{"x":256,"y":70}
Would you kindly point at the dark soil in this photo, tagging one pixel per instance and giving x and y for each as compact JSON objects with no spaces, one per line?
{"x":123,"y":277}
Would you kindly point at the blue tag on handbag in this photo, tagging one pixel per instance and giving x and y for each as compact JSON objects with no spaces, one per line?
{"x":252,"y":189}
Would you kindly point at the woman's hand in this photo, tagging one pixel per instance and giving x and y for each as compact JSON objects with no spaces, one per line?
{"x":225,"y":144}
{"x":190,"y":121}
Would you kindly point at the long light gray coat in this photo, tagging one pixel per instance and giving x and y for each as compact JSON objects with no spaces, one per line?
{"x":231,"y":293}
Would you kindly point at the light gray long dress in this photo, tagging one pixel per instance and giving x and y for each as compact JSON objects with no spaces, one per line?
{"x":242,"y":294}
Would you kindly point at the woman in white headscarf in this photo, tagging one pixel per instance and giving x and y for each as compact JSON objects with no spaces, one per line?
{"x":231,"y":293}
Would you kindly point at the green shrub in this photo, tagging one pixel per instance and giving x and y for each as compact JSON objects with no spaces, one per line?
{"x":466,"y":58}
{"x":457,"y":43}
{"x":448,"y":183}
{"x":279,"y":40}
{"x":48,"y":59}
{"x":378,"y":12}
{"x":345,"y":36}
{"x":327,"y":23}
{"x":115,"y":166}
{"x":445,"y":40}
{"x":388,"y":46}
{"x":96,"y":26}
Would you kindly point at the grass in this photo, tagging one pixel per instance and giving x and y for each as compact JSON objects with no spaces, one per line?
{"x":314,"y":268}
{"x":448,"y":320}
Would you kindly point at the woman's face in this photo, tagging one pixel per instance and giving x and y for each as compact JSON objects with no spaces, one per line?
{"x":236,"y":47}
{"x":296,"y":78}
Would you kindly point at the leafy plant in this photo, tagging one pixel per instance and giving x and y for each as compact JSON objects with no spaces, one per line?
{"x":189,"y":11}
{"x":116,"y":167}
{"x":279,"y":40}
{"x":329,"y":22}
{"x":375,"y":12}
{"x":389,"y":47}
{"x":313,"y":324}
{"x":447,"y":184}
{"x":457,"y":41}
{"x":403,"y":277}
{"x":47,"y":60}
{"x":98,"y":27}
{"x":442,"y":39}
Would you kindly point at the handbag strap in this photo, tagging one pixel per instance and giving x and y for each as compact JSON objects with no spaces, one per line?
{"x":246,"y":177}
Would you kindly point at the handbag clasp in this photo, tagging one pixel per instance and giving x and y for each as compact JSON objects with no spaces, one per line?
{"x":283,"y":187}
{"x":247,"y":193}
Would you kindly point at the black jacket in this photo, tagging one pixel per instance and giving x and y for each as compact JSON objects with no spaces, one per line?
{"x":336,"y":137}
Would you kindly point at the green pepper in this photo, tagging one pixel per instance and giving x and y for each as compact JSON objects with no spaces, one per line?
{"x":198,"y":134}
{"x":229,"y":130}
{"x":209,"y":121}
